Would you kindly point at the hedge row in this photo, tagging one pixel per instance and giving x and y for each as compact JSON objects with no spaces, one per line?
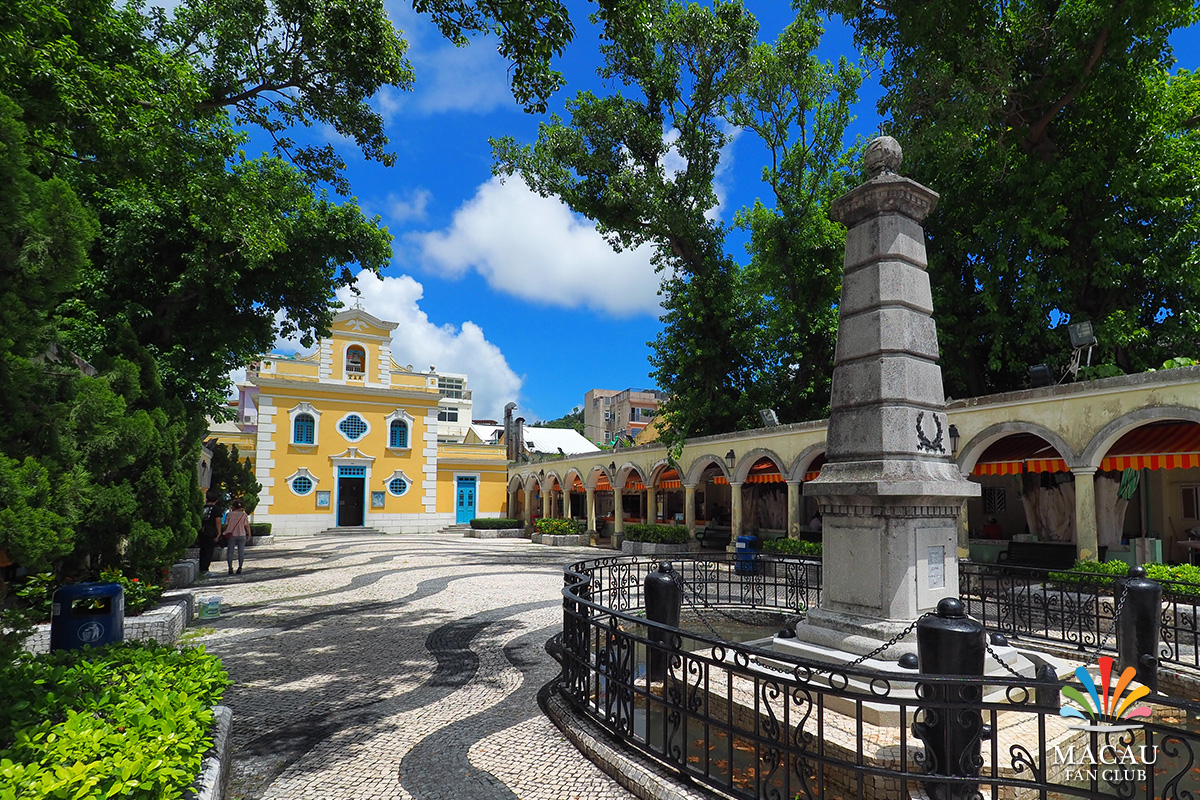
{"x":130,"y":720}
{"x":791,"y":547}
{"x":260,"y":529}
{"x":557,"y":527}
{"x":496,"y":524}
{"x":656,"y":534}
{"x":1181,"y":581}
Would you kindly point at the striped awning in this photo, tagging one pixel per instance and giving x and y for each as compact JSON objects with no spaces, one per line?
{"x":1018,"y":453}
{"x":671,"y":484}
{"x":1169,"y":445}
{"x":764,"y":471}
{"x":603,"y":485}
{"x":812,"y":476}
{"x":1020,"y":466}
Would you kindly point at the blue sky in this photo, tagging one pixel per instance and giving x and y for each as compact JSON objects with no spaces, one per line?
{"x":494,"y":281}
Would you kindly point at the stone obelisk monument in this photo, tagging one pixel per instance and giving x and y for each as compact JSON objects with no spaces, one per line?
{"x":889,"y":493}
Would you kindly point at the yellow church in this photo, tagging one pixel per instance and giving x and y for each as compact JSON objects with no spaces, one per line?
{"x":346,"y":438}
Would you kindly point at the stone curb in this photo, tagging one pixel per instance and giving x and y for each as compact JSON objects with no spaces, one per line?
{"x":495,"y":533}
{"x":573,"y":540}
{"x":213,"y":781}
{"x":652,"y":548}
{"x":645,"y":779}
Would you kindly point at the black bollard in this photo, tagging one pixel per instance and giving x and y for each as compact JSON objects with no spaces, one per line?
{"x":951,"y":643}
{"x":1138,"y":626}
{"x":1047,"y":697}
{"x":664,"y":597}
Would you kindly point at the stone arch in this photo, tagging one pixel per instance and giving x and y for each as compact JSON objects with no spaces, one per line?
{"x":551,"y":477}
{"x":801,"y":463}
{"x":593,"y":478}
{"x":747,"y":462}
{"x":969,"y":455}
{"x":624,"y":471}
{"x":532,"y":481}
{"x":571,"y":476}
{"x":700,"y":463}
{"x":1100,"y":444}
{"x":516,"y":483}
{"x":657,"y":469}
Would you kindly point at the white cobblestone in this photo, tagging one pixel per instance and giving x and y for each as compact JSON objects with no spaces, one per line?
{"x":397,"y":667}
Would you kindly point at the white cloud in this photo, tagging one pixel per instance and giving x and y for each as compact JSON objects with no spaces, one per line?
{"x":472,"y":78}
{"x":411,"y":206}
{"x":533,"y":247}
{"x":419,"y":342}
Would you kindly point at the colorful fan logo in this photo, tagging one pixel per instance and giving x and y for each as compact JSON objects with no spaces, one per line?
{"x":1104,"y":709}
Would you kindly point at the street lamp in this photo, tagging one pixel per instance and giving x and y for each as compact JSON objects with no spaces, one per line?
{"x":953,"y":440}
{"x":730,"y":457}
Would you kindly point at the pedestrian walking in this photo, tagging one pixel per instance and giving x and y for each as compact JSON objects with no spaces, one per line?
{"x":237,"y":529}
{"x":210,"y":530}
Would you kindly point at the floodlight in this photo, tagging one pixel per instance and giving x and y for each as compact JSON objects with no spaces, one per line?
{"x":1082,"y":334}
{"x":1041,"y":375}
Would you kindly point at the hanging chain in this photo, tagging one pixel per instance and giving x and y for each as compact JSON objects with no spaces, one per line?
{"x":1111,"y":626}
{"x":1002,"y":662}
{"x":687,"y":595}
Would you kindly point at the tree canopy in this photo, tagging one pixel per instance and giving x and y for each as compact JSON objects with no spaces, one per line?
{"x":147,"y":254}
{"x":1064,"y":148}
{"x":642,"y":162}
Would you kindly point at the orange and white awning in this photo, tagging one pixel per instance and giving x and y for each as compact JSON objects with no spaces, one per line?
{"x":1170,"y":445}
{"x":1018,"y":453}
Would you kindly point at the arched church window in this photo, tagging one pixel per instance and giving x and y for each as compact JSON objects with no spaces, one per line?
{"x":356,"y":359}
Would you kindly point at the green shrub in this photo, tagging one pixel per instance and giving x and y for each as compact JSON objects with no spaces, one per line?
{"x":791,"y":547}
{"x":656,"y":534}
{"x":260,"y":529}
{"x":130,"y":720}
{"x":557,"y":527}
{"x":496,"y":524}
{"x":1179,"y":581}
{"x":37,"y":595}
{"x":139,"y":595}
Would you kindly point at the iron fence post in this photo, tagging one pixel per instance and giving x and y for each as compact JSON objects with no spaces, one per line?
{"x":951,"y":643}
{"x":664,"y":598}
{"x":1137,"y":626}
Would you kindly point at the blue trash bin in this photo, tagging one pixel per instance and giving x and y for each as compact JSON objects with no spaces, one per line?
{"x":746,"y":562}
{"x":87,"y":613}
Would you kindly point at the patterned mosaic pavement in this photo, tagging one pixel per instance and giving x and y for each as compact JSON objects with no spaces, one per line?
{"x":396,"y":667}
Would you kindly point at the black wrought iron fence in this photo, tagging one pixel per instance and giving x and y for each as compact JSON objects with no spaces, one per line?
{"x":787,"y":585}
{"x":1076,"y":611}
{"x":754,"y":722}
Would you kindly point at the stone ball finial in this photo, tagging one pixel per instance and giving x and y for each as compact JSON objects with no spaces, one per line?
{"x":883,"y":155}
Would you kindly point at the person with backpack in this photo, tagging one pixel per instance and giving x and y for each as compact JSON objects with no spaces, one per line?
{"x":237,"y":530}
{"x":210,"y":530}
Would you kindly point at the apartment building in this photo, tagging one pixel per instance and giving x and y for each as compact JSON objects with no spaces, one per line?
{"x":611,"y":414}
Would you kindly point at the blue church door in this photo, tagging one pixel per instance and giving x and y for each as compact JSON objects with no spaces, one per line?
{"x":465,"y":507}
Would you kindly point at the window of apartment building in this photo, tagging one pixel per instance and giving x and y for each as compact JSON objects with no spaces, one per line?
{"x":447,"y":415}
{"x":451,"y":387}
{"x":1191,"y":502}
{"x":994,"y":500}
